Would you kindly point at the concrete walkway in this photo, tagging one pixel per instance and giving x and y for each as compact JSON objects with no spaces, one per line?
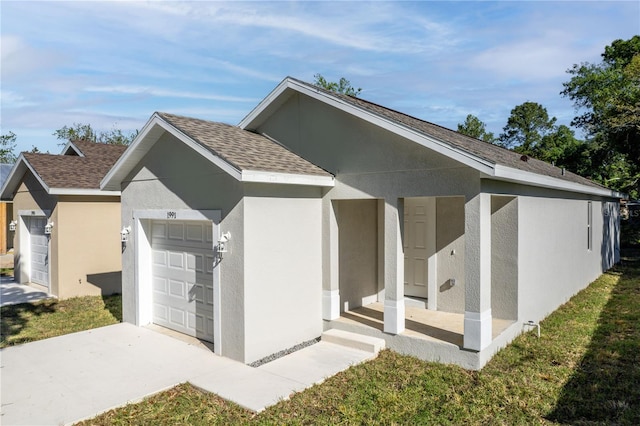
{"x":12,"y":293}
{"x":69,"y":378}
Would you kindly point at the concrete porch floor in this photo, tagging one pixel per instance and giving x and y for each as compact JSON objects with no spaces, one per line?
{"x":420,"y":323}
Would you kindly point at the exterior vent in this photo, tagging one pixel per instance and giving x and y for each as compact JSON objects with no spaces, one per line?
{"x":524,"y":158}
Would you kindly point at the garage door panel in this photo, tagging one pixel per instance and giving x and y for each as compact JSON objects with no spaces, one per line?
{"x":177,"y":288}
{"x":183,"y":281}
{"x":176,"y":231}
{"x":39,"y":251}
{"x":177,"y":317}
{"x":160,"y":312}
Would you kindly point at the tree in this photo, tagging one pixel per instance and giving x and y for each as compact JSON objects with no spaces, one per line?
{"x":561,"y":148}
{"x":343,"y":86}
{"x":475,"y":128}
{"x":607,"y":96}
{"x":526,"y":126}
{"x":7,"y":146}
{"x":85,"y":132}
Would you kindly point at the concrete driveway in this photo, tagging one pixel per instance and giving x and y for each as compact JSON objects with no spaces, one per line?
{"x":12,"y":293}
{"x":77,"y":376}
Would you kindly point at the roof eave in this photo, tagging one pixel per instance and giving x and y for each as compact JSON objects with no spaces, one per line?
{"x":147,"y":137}
{"x":15,"y":177}
{"x":257,"y":176}
{"x":252,"y":120}
{"x":83,"y":191}
{"x":510,"y":174}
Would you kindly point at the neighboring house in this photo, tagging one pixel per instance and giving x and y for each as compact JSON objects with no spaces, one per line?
{"x":324,"y":211}
{"x":67,"y":236}
{"x":6,"y":213}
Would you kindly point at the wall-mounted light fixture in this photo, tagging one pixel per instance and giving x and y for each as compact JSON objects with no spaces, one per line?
{"x":124,"y":234}
{"x":222,"y":242}
{"x":12,"y":225}
{"x":48,"y":228}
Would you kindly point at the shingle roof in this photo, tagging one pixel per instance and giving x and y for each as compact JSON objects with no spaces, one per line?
{"x":489,"y":152}
{"x":243,"y":149}
{"x":70,"y":171}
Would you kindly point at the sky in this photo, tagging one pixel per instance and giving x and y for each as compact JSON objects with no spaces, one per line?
{"x":113,"y":64}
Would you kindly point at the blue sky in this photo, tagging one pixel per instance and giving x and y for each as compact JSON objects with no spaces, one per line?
{"x":112,"y":64}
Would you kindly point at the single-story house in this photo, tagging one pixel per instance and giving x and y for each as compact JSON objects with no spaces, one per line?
{"x":67,"y":230}
{"x":6,"y":214}
{"x":324,"y":211}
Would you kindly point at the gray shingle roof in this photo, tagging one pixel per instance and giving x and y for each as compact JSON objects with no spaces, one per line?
{"x":489,"y":152}
{"x":243,"y":149}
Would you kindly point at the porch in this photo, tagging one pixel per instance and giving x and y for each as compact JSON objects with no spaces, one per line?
{"x":420,"y":323}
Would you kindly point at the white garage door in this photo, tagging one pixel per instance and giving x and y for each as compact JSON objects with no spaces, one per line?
{"x":39,"y":250}
{"x":182,"y":270}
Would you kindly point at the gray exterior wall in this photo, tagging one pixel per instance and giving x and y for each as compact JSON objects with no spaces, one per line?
{"x":450,"y":246}
{"x":554,"y":261}
{"x":283,"y":268}
{"x":271,"y":276}
{"x":172,"y":177}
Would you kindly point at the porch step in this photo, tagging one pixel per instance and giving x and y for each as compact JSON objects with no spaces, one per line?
{"x":353,"y":340}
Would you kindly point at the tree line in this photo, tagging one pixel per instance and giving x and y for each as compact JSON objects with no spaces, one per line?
{"x":77,"y":131}
{"x":607,"y":97}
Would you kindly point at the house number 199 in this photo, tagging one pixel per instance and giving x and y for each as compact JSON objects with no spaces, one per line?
{"x":171,"y":215}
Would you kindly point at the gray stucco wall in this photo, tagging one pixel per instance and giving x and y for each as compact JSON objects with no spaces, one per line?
{"x":554,"y":261}
{"x":450,"y":246}
{"x":172,"y":177}
{"x":504,"y":257}
{"x":283,"y":267}
{"x":358,"y":252}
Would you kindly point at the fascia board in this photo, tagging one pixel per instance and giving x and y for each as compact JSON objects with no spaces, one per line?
{"x":71,"y":145}
{"x":81,"y":191}
{"x":528,"y":178}
{"x":133,"y":153}
{"x":15,"y":176}
{"x":143,"y":143}
{"x":264,"y":104}
{"x":224,"y":165}
{"x":447,"y":150}
{"x":287,"y":178}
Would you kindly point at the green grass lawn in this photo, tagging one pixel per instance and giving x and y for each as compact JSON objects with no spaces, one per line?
{"x":27,"y":322}
{"x":585,"y":369}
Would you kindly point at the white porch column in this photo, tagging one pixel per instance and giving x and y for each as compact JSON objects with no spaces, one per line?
{"x":330,"y":271}
{"x":393,"y":267}
{"x":477,"y":315}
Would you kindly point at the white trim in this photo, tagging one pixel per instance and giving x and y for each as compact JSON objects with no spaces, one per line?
{"x":496,"y":171}
{"x":34,"y":212}
{"x":402,"y":130}
{"x":286,"y":178}
{"x":534,"y":179}
{"x":142,"y":144}
{"x":22,"y":165}
{"x":79,"y":191}
{"x":330,"y":304}
{"x":74,"y":147}
{"x":477,"y":330}
{"x":393,"y":316}
{"x":24,"y":239}
{"x":228,"y":168}
{"x":142,"y":263}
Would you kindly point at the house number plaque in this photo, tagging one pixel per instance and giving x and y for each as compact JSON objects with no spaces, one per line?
{"x":172,"y":215}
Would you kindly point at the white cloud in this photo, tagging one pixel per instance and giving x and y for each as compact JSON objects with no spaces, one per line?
{"x":152,"y":91}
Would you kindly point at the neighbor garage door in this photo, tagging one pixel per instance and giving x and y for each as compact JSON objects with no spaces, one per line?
{"x":182,"y":263}
{"x":39,"y":250}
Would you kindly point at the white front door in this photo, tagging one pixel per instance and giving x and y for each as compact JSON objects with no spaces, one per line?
{"x":182,"y":276}
{"x":39,"y":243}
